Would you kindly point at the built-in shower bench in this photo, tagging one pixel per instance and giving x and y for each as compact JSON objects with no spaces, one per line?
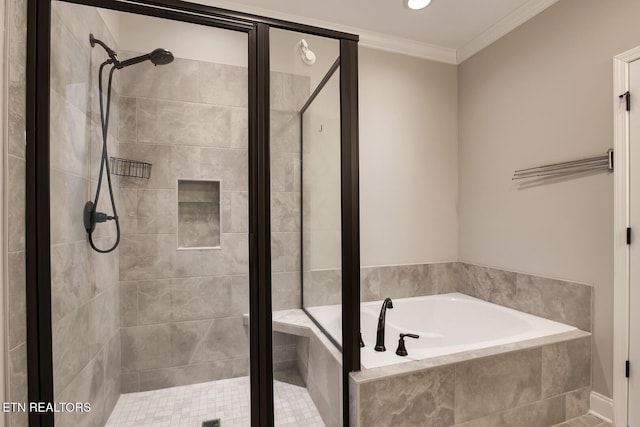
{"x":318,"y":360}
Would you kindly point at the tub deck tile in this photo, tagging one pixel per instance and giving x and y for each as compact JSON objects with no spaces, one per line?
{"x":374,"y":374}
{"x":538,"y":414}
{"x":423,"y":399}
{"x":490,"y":385}
{"x":566,"y":366}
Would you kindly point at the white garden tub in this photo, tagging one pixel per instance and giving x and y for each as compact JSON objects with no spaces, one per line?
{"x":446,"y":324}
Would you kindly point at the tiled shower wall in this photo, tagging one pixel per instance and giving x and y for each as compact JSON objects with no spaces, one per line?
{"x":15,"y":199}
{"x":84,"y":283}
{"x":181,"y":310}
{"x":288,"y":94}
{"x":85,"y":322}
{"x":84,"y":360}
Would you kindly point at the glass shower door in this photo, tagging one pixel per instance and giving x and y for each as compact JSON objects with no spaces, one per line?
{"x":150,"y":283}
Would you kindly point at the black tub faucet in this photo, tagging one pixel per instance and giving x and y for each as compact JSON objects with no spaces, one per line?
{"x":402,"y":349}
{"x":381,"y":320}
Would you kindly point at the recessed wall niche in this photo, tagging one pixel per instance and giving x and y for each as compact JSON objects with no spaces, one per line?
{"x":198,"y":214}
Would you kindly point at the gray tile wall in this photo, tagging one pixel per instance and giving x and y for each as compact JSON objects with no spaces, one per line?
{"x":288,"y":95}
{"x":85,"y":291}
{"x":537,"y":387}
{"x":402,"y":281}
{"x":15,"y":181}
{"x":376,"y":283}
{"x":558,"y":300}
{"x":181,"y":310}
{"x":324,"y":381}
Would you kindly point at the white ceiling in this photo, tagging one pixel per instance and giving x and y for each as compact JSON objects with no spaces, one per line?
{"x":447,"y":30}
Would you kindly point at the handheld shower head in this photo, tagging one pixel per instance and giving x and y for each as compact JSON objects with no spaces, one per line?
{"x":91,"y":216}
{"x":157,"y":57}
{"x":161,"y":57}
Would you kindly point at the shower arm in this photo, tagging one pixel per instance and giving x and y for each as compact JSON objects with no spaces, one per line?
{"x":113,"y":56}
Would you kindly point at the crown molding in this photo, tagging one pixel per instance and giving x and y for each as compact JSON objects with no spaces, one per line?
{"x":408,"y":47}
{"x":404,"y":46}
{"x":369,"y":39}
{"x":502,"y":27}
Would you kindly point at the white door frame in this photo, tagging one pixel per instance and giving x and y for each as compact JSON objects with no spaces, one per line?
{"x":621,"y":222}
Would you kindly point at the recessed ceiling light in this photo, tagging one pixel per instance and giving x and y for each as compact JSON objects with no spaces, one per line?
{"x":418,"y":4}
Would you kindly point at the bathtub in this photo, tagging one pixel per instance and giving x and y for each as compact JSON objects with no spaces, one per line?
{"x":447,"y":324}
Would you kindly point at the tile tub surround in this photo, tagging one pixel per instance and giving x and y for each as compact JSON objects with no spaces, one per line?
{"x":324,"y":287}
{"x":181,"y":309}
{"x":538,"y":383}
{"x":562,"y":301}
{"x":401,"y":281}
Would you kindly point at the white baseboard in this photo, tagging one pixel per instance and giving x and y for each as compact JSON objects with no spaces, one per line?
{"x":601,"y":406}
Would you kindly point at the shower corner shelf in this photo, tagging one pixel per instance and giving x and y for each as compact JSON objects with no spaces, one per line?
{"x":130,"y":168}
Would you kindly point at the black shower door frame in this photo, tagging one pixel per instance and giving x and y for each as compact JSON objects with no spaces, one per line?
{"x":37,"y":209}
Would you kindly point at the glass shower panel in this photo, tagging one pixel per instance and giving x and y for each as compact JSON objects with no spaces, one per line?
{"x":321,"y":222}
{"x":155,"y":299}
{"x":307,"y":366}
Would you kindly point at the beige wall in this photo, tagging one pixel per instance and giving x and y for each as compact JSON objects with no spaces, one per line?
{"x":538,"y":95}
{"x":408,"y":159}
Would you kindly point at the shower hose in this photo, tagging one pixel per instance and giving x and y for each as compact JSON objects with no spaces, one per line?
{"x":91,"y":216}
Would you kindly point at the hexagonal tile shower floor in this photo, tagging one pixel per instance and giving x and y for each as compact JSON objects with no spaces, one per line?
{"x":227,"y":400}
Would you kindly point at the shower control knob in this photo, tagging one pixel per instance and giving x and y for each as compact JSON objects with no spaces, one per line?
{"x":89,"y":217}
{"x":402,"y":350}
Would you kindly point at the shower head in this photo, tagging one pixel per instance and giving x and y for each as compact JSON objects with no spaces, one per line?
{"x":157,"y":57}
{"x":161,"y":57}
{"x":308,"y":57}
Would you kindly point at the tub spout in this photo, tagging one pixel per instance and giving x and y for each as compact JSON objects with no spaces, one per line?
{"x":381,"y":321}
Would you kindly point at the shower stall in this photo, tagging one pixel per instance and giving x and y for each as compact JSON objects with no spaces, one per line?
{"x":191,"y":202}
